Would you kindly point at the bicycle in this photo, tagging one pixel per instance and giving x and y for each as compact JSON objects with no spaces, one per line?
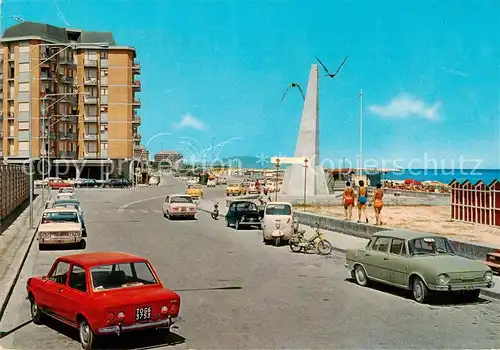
{"x":315,"y":243}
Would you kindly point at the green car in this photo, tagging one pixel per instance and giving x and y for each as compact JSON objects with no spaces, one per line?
{"x":417,"y":261}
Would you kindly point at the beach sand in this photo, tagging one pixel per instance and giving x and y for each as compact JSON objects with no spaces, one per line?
{"x":434,"y":219}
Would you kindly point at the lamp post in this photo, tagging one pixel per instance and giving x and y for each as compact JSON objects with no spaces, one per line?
{"x":30,"y":77}
{"x":43,"y":132}
{"x":305,"y":182}
{"x":277,"y":179}
{"x":360,"y":133}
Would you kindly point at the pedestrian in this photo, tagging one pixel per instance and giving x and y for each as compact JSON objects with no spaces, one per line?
{"x":378,"y":204}
{"x":362,"y":201}
{"x":348,"y":200}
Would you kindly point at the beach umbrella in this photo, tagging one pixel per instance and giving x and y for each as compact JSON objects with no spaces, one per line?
{"x":409,"y":181}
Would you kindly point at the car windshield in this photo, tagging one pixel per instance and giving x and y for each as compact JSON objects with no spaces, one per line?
{"x":67,"y":206}
{"x":61,"y":216}
{"x":121,"y":275}
{"x":278,"y":209}
{"x":430,"y":245}
{"x":183,"y":199}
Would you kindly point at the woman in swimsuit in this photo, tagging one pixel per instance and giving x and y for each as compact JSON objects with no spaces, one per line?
{"x":362,"y":201}
{"x":348,"y":200}
{"x":378,"y":203}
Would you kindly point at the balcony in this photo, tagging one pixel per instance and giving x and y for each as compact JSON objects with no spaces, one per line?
{"x":1,"y":95}
{"x":136,"y":103}
{"x":104,"y":154}
{"x":104,"y":99}
{"x":69,"y":118}
{"x":104,"y":117}
{"x":10,"y":115}
{"x":104,"y":63}
{"x":47,"y":76}
{"x":90,"y":81}
{"x":137,"y":137}
{"x":91,"y":100}
{"x":104,"y":136}
{"x":137,"y":148}
{"x":136,"y":120}
{"x":1,"y":134}
{"x":44,"y":55}
{"x":67,"y":136}
{"x":136,"y":68}
{"x":67,"y":61}
{"x":12,"y":57}
{"x":69,"y":99}
{"x":66,"y":80}
{"x":68,"y":154}
{"x":137,"y":85}
{"x":90,"y":119}
{"x":90,"y":137}
{"x":90,"y":154}
{"x":90,"y":63}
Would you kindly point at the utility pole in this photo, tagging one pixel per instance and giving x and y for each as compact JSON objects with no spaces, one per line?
{"x":212,"y":156}
{"x":360,"y":132}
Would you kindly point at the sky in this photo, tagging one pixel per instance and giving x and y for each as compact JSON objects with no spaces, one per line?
{"x":215,"y":71}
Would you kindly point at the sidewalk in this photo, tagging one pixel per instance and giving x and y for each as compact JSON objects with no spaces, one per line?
{"x":340,"y":242}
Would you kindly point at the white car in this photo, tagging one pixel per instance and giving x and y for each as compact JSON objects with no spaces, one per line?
{"x":65,"y":196}
{"x":60,"y":226}
{"x":154,"y":181}
{"x":179,"y":205}
{"x":252,"y":189}
{"x":67,"y":190}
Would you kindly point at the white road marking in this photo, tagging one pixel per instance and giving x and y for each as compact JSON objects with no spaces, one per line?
{"x":144,"y":211}
{"x":125,"y":206}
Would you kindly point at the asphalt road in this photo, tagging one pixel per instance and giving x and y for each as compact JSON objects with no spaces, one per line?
{"x":276,"y":299}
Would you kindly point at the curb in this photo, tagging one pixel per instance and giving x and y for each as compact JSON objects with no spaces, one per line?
{"x":19,"y":258}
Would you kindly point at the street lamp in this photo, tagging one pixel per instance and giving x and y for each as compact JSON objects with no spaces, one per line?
{"x":30,"y":77}
{"x":43,"y":130}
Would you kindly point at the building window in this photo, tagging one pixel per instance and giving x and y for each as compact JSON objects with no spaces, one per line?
{"x":104,"y":146}
{"x":104,"y":91}
{"x":104,"y":73}
{"x":24,"y":67}
{"x":104,"y":128}
{"x":104,"y":55}
{"x":24,"y":125}
{"x":24,"y":107}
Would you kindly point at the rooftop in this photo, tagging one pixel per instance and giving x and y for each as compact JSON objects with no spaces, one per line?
{"x":101,"y":258}
{"x":55,"y":34}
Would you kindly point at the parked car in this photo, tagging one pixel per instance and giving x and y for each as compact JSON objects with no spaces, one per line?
{"x":252,"y":189}
{"x":421,"y":262}
{"x":154,"y":181}
{"x":195,"y":191}
{"x":66,"y":190}
{"x":179,"y":205}
{"x":61,"y":196}
{"x":121,"y":183}
{"x":56,"y":184}
{"x":60,"y":226}
{"x":103,"y":293}
{"x":87,"y":183}
{"x":244,"y":213}
{"x":277,"y":222}
{"x":236,"y":190}
{"x":71,"y":204}
{"x":221,"y":181}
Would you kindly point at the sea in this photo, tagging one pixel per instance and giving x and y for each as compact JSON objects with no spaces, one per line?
{"x":445,"y":175}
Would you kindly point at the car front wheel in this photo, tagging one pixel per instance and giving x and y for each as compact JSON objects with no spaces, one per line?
{"x":419,"y":290}
{"x":360,"y":275}
{"x":87,"y":337}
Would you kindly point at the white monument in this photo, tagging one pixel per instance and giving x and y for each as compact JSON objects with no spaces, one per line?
{"x":307,"y":147}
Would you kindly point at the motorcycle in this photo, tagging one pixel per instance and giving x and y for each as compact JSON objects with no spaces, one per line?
{"x":317,"y":243}
{"x":215,"y":213}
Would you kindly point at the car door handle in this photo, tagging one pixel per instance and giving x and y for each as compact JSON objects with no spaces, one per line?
{"x":366,"y":254}
{"x":386,"y":258}
{"x":60,"y":290}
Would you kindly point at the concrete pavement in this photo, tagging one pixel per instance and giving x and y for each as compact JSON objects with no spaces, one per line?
{"x":273,"y":298}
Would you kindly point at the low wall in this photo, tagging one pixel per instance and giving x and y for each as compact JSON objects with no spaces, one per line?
{"x":466,"y":249}
{"x":14,"y":188}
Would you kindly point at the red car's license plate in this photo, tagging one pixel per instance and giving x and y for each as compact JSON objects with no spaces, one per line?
{"x":143,"y":313}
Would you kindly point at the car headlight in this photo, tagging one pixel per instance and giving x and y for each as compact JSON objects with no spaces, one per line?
{"x":488,"y":276}
{"x":443,"y":279}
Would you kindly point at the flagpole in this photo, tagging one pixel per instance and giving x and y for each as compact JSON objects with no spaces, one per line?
{"x":360,"y":132}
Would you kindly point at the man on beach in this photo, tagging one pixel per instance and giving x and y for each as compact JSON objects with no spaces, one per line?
{"x":348,"y":201}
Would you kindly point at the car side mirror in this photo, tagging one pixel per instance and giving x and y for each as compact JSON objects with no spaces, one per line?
{"x":45,"y":279}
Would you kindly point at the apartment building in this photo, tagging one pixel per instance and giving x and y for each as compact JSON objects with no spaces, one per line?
{"x":84,"y":104}
{"x":173,"y":158}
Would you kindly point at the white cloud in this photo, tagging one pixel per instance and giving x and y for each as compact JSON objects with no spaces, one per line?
{"x":404,"y":106}
{"x":455,"y":71}
{"x":189,"y":121}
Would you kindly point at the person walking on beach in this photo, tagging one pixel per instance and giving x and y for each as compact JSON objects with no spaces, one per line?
{"x":362,"y":200}
{"x":378,"y":203}
{"x":348,"y":200}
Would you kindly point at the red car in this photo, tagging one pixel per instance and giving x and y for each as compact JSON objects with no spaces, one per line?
{"x":103,"y":293}
{"x":56,"y":184}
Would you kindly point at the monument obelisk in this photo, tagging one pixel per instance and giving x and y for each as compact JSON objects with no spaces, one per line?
{"x":308,"y":147}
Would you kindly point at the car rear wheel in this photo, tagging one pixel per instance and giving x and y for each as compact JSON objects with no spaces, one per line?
{"x":87,"y":337}
{"x":360,"y":276}
{"x":36,"y":314}
{"x":419,"y":290}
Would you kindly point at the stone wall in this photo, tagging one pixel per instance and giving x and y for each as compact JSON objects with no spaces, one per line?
{"x":14,"y":188}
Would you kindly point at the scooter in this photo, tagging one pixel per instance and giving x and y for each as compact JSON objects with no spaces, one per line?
{"x":215,"y":213}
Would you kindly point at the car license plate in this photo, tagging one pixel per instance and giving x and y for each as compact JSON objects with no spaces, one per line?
{"x":143,"y":313}
{"x":278,"y":233}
